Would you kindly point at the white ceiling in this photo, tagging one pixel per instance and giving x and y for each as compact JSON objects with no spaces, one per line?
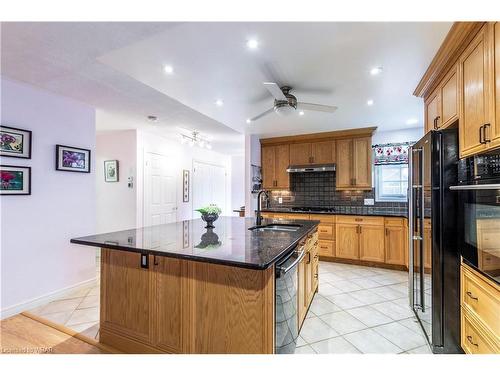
{"x":118,"y":67}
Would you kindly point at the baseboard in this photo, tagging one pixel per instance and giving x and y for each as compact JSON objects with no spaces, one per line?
{"x":42,"y":300}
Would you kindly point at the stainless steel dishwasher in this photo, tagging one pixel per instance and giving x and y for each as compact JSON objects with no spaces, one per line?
{"x":286,"y":303}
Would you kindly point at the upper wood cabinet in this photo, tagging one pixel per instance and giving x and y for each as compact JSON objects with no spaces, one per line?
{"x":312,"y":153}
{"x":476,"y":89}
{"x":354,"y":164}
{"x":441,"y":107}
{"x":275,"y":161}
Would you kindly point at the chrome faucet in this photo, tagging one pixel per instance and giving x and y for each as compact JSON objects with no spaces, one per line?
{"x":258,"y":220}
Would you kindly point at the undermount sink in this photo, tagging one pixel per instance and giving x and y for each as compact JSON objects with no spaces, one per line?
{"x":276,"y":228}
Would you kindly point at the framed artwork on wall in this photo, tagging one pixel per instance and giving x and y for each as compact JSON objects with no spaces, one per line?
{"x":15,"y":143}
{"x":111,"y":171}
{"x":15,"y":180}
{"x":72,"y":159}
{"x":185,"y":185}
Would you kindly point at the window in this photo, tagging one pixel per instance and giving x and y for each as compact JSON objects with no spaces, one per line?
{"x":391,"y":182}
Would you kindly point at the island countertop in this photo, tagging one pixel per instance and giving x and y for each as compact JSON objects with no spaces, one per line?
{"x":230,"y":242}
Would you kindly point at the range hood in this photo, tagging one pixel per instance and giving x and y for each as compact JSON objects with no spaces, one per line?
{"x":311,"y":168}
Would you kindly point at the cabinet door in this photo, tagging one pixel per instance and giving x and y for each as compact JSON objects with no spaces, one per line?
{"x":300,"y":153}
{"x":344,"y":163}
{"x":432,"y":115}
{"x":171,"y":304}
{"x":326,"y":248}
{"x":301,"y":291}
{"x":268,"y":166}
{"x":449,"y":99}
{"x":395,"y":238}
{"x":309,"y":278}
{"x":495,"y":131}
{"x":371,"y":243}
{"x":282,"y":177}
{"x":475,"y":91}
{"x":126,"y":295}
{"x":323,"y":152}
{"x":362,"y":168}
{"x":347,"y":241}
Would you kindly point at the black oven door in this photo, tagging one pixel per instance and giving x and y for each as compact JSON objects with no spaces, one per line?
{"x":480,"y":227}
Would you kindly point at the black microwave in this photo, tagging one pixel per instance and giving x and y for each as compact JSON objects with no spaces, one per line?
{"x":479,"y":213}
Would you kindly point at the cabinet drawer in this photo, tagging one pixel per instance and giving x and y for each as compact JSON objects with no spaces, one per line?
{"x":354,"y":219}
{"x":326,"y":248}
{"x":481,"y":299}
{"x":473,"y":339}
{"x":326,"y":232}
{"x":394,"y":221}
{"x":323,"y":218}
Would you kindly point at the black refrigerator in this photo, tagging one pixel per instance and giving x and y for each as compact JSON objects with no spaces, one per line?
{"x":434,"y":262}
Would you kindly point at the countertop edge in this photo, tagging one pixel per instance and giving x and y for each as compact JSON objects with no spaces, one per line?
{"x":333,"y":213}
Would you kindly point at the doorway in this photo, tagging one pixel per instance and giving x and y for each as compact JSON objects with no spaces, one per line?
{"x":209,"y":186}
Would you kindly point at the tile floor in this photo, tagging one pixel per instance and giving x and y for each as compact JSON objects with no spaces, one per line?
{"x":361,"y":310}
{"x":357,"y":310}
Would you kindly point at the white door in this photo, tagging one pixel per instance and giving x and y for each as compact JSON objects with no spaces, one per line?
{"x":159,"y":190}
{"x":209,"y":186}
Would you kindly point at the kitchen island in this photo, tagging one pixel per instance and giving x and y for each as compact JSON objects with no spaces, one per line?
{"x":182,"y":288}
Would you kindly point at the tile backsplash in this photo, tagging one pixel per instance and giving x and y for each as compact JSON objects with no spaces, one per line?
{"x":318,"y":190}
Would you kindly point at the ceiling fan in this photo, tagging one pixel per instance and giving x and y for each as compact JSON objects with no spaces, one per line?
{"x":286,"y":103}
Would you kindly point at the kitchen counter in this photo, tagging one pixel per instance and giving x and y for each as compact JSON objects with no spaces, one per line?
{"x":348,"y":210}
{"x":181,"y":288}
{"x":230,"y":242}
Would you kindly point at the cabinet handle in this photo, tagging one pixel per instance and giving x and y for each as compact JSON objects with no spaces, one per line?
{"x":315,"y":275}
{"x":485,"y":139}
{"x":155,"y":260}
{"x":472,"y":296}
{"x":481,"y":134}
{"x":436,"y":122}
{"x":386,"y":231}
{"x":308,"y":257}
{"x":469,"y":338}
{"x":360,"y":229}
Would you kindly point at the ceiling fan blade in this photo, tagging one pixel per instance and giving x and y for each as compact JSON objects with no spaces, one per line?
{"x":316,"y":107}
{"x":275,"y":90}
{"x":262,"y":114}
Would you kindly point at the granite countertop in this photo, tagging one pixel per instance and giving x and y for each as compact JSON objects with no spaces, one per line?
{"x":349,"y":210}
{"x":229,"y":243}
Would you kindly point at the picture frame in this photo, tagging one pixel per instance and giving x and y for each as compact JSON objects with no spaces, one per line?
{"x":111,"y":171}
{"x":15,"y":142}
{"x":72,"y":159}
{"x":185,"y":185}
{"x":15,"y":180}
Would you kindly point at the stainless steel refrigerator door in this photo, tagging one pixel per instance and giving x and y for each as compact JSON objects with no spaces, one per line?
{"x":421,"y":234}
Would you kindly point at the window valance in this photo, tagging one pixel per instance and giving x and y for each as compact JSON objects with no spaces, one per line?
{"x":391,"y":153}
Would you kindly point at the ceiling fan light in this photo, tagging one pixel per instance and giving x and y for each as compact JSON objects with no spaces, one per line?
{"x":285,"y":110}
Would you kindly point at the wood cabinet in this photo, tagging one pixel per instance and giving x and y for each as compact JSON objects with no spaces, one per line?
{"x":347,"y":241}
{"x":275,"y":160}
{"x":311,"y":153}
{"x":308,"y":274}
{"x":476,"y":89}
{"x":354,"y":164}
{"x":371,"y":243}
{"x":441,"y":107}
{"x":480,"y":309}
{"x":396,"y":239}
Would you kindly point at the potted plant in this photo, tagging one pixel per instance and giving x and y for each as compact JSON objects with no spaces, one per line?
{"x":209,"y":214}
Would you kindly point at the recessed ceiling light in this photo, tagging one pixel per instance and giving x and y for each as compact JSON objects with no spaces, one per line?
{"x":219,"y":103}
{"x":376,"y":70}
{"x":301,"y":113}
{"x":168,"y":69}
{"x":369,"y":102}
{"x":411,"y":121}
{"x":252,"y":43}
{"x":248,"y":121}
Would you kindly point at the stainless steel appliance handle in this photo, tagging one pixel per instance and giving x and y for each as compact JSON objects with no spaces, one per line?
{"x":302,"y":254}
{"x":410,"y":227}
{"x":421,"y":229}
{"x":476,"y":187}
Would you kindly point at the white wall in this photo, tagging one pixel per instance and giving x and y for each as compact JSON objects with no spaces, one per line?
{"x":238,"y":187}
{"x":252,"y":156}
{"x":116,"y":202}
{"x":395,"y":136}
{"x":182,"y":156}
{"x":37,"y":259}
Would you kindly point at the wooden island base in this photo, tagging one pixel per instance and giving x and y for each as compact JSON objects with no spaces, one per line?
{"x":182,"y":306}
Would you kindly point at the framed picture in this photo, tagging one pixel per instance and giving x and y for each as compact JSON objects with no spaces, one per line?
{"x":15,"y":180}
{"x":72,"y":159}
{"x":185,"y":185}
{"x":111,"y":170}
{"x":15,"y":143}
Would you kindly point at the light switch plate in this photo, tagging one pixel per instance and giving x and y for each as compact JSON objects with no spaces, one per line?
{"x":280,"y":200}
{"x":369,"y":202}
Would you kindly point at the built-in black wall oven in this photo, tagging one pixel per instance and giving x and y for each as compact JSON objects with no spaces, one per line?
{"x":479,"y":213}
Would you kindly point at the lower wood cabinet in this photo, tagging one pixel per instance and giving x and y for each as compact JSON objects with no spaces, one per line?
{"x":347,"y":241}
{"x":480,"y":313}
{"x":308,"y":277}
{"x":371,"y":243}
{"x":396,"y":241}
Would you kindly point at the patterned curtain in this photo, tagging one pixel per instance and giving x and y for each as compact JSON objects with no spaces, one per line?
{"x":391,"y":153}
